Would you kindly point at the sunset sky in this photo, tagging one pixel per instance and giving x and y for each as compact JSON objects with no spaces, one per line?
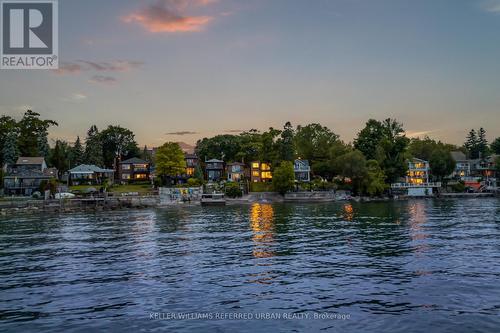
{"x":179,"y":70}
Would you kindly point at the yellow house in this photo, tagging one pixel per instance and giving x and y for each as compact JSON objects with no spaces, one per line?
{"x":418,"y":171}
{"x":260,"y":172}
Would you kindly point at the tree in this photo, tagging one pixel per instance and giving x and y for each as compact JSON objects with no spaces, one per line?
{"x":146,"y":155}
{"x":93,"y":147}
{"x":60,"y":156}
{"x":169,"y":161}
{"x":374,"y":180}
{"x":391,"y":150}
{"x":495,"y":146}
{"x":118,"y":143}
{"x":10,"y":153}
{"x":284,"y":177}
{"x":7,"y":126}
{"x":33,"y":132}
{"x":471,"y":143}
{"x":77,"y":153}
{"x":352,"y":165}
{"x":225,"y":147}
{"x":482,"y":143}
{"x":369,"y":138}
{"x":423,"y":148}
{"x":441,"y":163}
{"x":286,"y":144}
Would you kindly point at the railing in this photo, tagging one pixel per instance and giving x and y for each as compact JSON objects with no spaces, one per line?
{"x":410,"y":185}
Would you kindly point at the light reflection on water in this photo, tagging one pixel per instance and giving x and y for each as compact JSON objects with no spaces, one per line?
{"x":393,"y":266}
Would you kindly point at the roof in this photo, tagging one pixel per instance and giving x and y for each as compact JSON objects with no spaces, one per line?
{"x":213,"y":160}
{"x":85,"y":168}
{"x":190,"y":156}
{"x":30,"y":160}
{"x":458,"y":156}
{"x":304,"y":162}
{"x":419,"y":159}
{"x":134,"y":160}
{"x":236,"y":163}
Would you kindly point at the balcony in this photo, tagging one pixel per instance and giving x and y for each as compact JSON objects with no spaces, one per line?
{"x":410,"y":185}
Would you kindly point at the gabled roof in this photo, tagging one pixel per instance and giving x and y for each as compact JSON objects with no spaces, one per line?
{"x":418,"y":159}
{"x":458,"y":156}
{"x":85,"y":168}
{"x":190,"y":156}
{"x":30,"y":161}
{"x":134,"y":160}
{"x":303,"y":162}
{"x":213,"y":160}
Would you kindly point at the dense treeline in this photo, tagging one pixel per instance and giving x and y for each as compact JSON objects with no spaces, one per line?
{"x":29,"y":137}
{"x":375,"y":158}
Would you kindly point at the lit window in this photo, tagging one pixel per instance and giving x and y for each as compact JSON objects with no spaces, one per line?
{"x":190,"y":171}
{"x":125,"y":166}
{"x":255,"y":165}
{"x":140,"y":176}
{"x":126,"y":176}
{"x":265,"y":166}
{"x":255,"y":173}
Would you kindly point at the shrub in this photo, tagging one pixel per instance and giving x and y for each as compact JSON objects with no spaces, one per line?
{"x":284,"y":178}
{"x":458,"y":187}
{"x":233,"y":190}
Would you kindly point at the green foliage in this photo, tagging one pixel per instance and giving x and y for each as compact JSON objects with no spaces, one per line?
{"x":77,"y":153}
{"x":476,"y":144}
{"x":459,"y":187}
{"x":146,"y":155}
{"x":286,"y":144}
{"x":194,"y":182}
{"x":497,"y":165}
{"x":225,"y":147}
{"x":198,"y":174}
{"x":442,"y":163}
{"x":60,"y":156}
{"x":93,"y":147}
{"x":374,"y":180}
{"x":118,"y":143}
{"x":233,"y":190}
{"x":7,"y":126}
{"x":313,"y":142}
{"x":495,"y":146}
{"x":10,"y":153}
{"x":369,"y":138}
{"x":33,"y":132}
{"x":385,"y":142}
{"x":284,"y":178}
{"x":48,"y":185}
{"x":352,"y":165}
{"x":169,"y":160}
{"x":423,"y":148}
{"x":261,"y":187}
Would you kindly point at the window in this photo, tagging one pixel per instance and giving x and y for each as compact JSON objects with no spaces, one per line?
{"x":189,"y":171}
{"x":267,"y":175}
{"x":125,"y":166}
{"x":265,"y":166}
{"x":140,"y":176}
{"x":255,"y":173}
{"x":126,"y":176}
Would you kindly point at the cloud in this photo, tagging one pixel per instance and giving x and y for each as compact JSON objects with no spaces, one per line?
{"x":234,"y":131}
{"x":491,"y":6}
{"x":167,"y":16}
{"x":103,"y":79}
{"x":182,"y":133}
{"x":75,"y":97}
{"x":68,"y":68}
{"x":417,"y":134}
{"x":86,"y":65}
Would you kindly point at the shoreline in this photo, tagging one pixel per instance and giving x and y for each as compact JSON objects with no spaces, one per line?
{"x":31,"y":207}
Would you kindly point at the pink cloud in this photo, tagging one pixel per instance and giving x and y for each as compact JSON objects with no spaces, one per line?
{"x":166,"y":16}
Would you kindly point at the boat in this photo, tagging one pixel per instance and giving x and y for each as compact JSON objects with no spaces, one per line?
{"x":214,"y":199}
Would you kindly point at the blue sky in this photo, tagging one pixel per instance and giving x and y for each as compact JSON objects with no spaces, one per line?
{"x":201,"y":67}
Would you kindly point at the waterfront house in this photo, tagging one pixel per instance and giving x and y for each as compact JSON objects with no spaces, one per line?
{"x":260,"y":172}
{"x":191,"y":164}
{"x":235,"y":172}
{"x":26,"y":176}
{"x":302,"y":170}
{"x":416,"y":182}
{"x":90,"y":175}
{"x":214,"y":170}
{"x":462,"y":165}
{"x":134,"y":170}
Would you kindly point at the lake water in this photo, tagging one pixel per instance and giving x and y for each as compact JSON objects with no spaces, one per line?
{"x":409,"y":266}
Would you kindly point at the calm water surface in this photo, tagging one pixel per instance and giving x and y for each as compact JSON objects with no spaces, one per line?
{"x":416,"y":266}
